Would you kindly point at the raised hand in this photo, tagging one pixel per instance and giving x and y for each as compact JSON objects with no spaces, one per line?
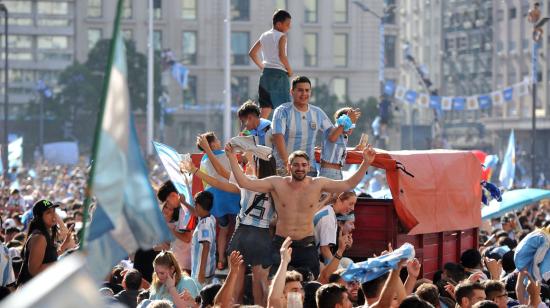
{"x":354,"y":114}
{"x":235,"y":260}
{"x":228,"y":149}
{"x":475,"y":277}
{"x":369,"y":154}
{"x":187,"y":166}
{"x":413,"y":268}
{"x":494,"y":267}
{"x":203,"y":142}
{"x":286,"y":251}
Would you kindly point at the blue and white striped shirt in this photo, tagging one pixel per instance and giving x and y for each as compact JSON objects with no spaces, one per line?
{"x":299,"y":128}
{"x":334,"y":152}
{"x":325,"y":226}
{"x":204,"y":232}
{"x":6,"y":267}
{"x":260,"y":216}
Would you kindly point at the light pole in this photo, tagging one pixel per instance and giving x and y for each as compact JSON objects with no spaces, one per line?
{"x":4,"y":9}
{"x":227,"y":73}
{"x":150,"y":80}
{"x":381,"y":33}
{"x":534,"y":72}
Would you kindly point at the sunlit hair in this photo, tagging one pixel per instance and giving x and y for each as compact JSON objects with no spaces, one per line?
{"x":346,"y":195}
{"x":341,"y":111}
{"x":167,"y":259}
{"x":296,"y":154}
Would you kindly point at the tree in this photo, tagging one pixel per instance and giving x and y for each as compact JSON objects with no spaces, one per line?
{"x":78,"y":101}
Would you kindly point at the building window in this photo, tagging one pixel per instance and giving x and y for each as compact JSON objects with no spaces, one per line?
{"x":94,"y":35}
{"x":52,"y":8}
{"x":310,"y":49}
{"x":49,"y":22}
{"x":157,"y":9}
{"x":314,"y":84}
{"x":389,"y":17}
{"x":157,"y":39}
{"x":19,"y":41}
{"x":239,"y":89}
{"x":389,"y":50}
{"x":189,"y":47}
{"x":52,"y":42}
{"x":240,"y":10}
{"x":340,"y":50}
{"x":128,"y":34}
{"x":95,"y":8}
{"x":239,"y":48}
{"x":340,"y":89}
{"x":512,"y":13}
{"x":341,"y":11}
{"x":18,"y":6}
{"x":190,"y":93}
{"x":127,"y":10}
{"x":281,"y":4}
{"x":189,"y":9}
{"x":310,"y":11}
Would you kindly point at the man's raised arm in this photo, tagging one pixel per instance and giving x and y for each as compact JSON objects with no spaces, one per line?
{"x":257,"y":185}
{"x":337,"y":186}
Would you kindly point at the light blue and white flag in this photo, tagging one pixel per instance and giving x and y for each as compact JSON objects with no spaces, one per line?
{"x":171,"y":159}
{"x":127,"y":216}
{"x":180,"y":74}
{"x":508,"y":168}
{"x":375,"y":267}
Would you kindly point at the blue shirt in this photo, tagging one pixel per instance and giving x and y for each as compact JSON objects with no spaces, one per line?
{"x":334,"y":152}
{"x":205,"y":232}
{"x":185,"y":283}
{"x":264,"y":133}
{"x":299,"y":128}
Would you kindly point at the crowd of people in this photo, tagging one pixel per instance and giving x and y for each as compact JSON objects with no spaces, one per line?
{"x":269,"y":230}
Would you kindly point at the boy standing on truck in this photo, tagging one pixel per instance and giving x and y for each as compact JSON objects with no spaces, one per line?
{"x":274,"y":88}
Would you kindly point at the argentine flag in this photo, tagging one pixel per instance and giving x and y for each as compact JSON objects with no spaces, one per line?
{"x":508,"y":168}
{"x":127,"y":215}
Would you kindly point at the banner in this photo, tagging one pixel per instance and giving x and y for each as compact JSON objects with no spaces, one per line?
{"x":446,"y":103}
{"x":458,"y":103}
{"x":472,"y":103}
{"x":61,"y":153}
{"x":410,"y":96}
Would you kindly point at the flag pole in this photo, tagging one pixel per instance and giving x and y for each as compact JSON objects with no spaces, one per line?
{"x":227,"y":73}
{"x":97,"y":134}
{"x":150,"y":82}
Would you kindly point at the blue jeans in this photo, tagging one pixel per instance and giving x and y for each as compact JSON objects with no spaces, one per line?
{"x":331,"y":173}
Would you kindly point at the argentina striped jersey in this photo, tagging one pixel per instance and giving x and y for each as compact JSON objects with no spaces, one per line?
{"x":204,"y":232}
{"x":334,"y":152}
{"x":260,"y":216}
{"x":299,"y":128}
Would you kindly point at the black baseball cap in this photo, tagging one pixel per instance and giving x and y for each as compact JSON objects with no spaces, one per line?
{"x":41,"y":206}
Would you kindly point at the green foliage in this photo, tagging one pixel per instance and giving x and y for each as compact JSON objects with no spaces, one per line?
{"x":80,"y":86}
{"x":329,"y":103}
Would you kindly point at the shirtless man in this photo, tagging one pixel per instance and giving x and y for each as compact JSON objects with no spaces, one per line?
{"x":296,"y":199}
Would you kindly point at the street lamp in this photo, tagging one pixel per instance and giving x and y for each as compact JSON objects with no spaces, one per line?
{"x":4,"y":9}
{"x":381,"y":56}
{"x":534,"y":71}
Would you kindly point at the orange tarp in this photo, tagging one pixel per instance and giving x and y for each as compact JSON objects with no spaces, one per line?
{"x":443,"y":193}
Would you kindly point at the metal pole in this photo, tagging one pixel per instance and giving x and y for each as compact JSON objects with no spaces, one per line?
{"x":41,"y":130}
{"x":227,"y":74}
{"x":150,"y":84}
{"x":533,"y":135}
{"x":4,"y":9}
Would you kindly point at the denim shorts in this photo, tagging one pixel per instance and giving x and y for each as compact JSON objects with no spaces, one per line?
{"x":331,"y":173}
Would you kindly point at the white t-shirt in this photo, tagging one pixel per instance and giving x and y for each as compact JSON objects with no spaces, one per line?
{"x":204,"y":232}
{"x":270,"y":49}
{"x":325,"y":225}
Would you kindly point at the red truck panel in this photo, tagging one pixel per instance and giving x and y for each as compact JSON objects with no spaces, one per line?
{"x":376,"y":225}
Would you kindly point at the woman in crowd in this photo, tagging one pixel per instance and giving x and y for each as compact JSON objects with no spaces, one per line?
{"x":40,"y":250}
{"x":169,"y":282}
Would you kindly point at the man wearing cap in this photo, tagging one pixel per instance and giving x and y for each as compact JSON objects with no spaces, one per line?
{"x":509,"y":225}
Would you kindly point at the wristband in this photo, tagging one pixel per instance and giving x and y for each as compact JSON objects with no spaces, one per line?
{"x":196,"y":170}
{"x":337,"y":256}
